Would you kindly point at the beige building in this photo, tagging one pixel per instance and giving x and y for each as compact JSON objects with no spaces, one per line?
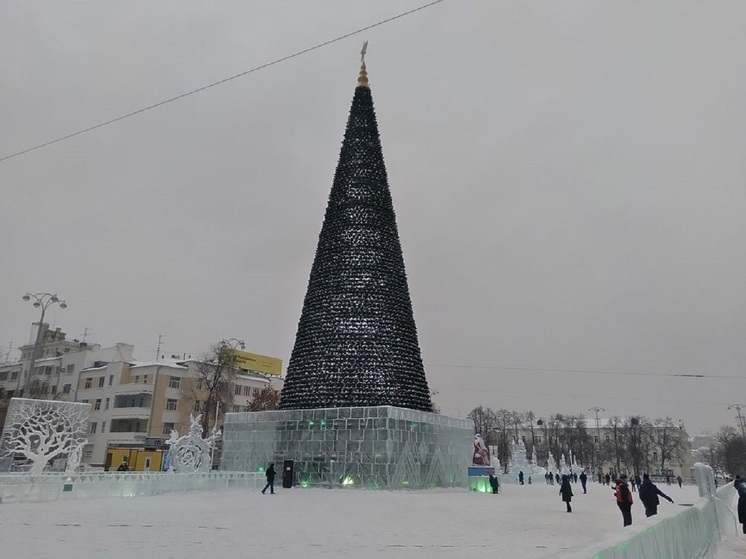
{"x":136,"y":404}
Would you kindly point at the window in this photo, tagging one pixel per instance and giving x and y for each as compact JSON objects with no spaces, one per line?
{"x":101,"y":381}
{"x":200,"y":384}
{"x":111,"y":379}
{"x":246,"y":390}
{"x":137,"y":379}
{"x":92,"y":429}
{"x":106,"y":405}
{"x":4,"y":375}
{"x":237,"y":390}
{"x":171,"y":405}
{"x":655,"y":456}
{"x":66,"y":388}
{"x":97,"y":406}
{"x":14,"y":375}
{"x":54,"y":389}
{"x":88,"y":382}
{"x":595,"y":439}
{"x":236,"y":408}
{"x":145,"y":379}
{"x":607,"y":438}
{"x":173,"y":383}
{"x":70,"y":369}
{"x":167,"y":428}
{"x":197,"y":406}
{"x":103,"y":426}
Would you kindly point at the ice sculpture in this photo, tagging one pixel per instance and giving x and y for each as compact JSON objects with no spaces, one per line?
{"x":73,"y":459}
{"x":190,"y":452}
{"x":42,"y":430}
{"x":382,"y":447}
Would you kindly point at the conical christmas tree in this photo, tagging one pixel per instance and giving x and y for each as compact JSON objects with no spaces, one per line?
{"x":357,"y":342}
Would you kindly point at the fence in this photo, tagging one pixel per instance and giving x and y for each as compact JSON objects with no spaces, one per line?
{"x":22,"y":488}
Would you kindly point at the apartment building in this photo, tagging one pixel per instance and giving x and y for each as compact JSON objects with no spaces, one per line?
{"x":136,"y":404}
{"x":58,"y":364}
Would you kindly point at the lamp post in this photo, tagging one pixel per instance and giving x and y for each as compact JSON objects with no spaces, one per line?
{"x":41,"y":301}
{"x":738,"y":407}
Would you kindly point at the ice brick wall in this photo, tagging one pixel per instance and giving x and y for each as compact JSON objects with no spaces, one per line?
{"x":373,"y":447}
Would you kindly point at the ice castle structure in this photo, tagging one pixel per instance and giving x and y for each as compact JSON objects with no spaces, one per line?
{"x":355,"y":409}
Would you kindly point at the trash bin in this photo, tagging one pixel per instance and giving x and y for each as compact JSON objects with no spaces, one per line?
{"x":287,"y":473}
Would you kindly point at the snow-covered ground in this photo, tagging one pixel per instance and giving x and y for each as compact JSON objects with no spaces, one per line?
{"x":521,"y":522}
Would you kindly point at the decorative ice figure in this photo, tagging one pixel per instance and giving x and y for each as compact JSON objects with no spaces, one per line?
{"x":533,"y":457}
{"x":481,"y":454}
{"x":73,"y":459}
{"x":191,"y":453}
{"x":42,"y":430}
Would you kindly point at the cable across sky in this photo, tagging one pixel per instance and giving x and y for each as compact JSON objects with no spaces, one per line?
{"x":220,"y":82}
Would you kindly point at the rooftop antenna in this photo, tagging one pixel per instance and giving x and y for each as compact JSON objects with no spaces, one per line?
{"x":85,"y":334}
{"x":158,"y":349}
{"x":7,"y":355}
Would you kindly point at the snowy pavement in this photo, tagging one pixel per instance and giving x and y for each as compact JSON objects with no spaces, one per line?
{"x":521,"y":522}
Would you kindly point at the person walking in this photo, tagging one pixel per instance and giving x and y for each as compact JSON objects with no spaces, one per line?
{"x":624,"y":499}
{"x":607,"y":479}
{"x":649,"y":496}
{"x":520,"y":477}
{"x":494,"y":484}
{"x":557,"y":477}
{"x":566,"y":492}
{"x":679,"y":481}
{"x":583,"y":480}
{"x":270,"y":480}
{"x":739,"y":484}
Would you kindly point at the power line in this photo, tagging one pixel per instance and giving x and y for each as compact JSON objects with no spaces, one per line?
{"x":224,"y":80}
{"x":585,"y":371}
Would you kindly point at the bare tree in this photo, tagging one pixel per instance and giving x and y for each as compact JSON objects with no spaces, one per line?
{"x":484,"y":422}
{"x":670,"y":442}
{"x":266,"y":399}
{"x":212,"y":388}
{"x":730,"y":451}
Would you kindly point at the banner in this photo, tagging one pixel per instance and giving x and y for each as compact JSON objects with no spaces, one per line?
{"x":254,"y":362}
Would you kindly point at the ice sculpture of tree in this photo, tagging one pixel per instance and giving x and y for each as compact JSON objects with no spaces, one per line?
{"x":190,"y":452}
{"x":42,"y":430}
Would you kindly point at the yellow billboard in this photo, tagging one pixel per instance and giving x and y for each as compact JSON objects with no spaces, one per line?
{"x":254,"y":362}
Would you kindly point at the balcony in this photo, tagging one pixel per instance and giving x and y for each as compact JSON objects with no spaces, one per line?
{"x":134,"y":388}
{"x":130,"y":413}
{"x":126,"y":438}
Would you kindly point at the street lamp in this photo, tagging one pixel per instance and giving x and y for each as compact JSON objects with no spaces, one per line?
{"x":738,"y":407}
{"x":40,"y":301}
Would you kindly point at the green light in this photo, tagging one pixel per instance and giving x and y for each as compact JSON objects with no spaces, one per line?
{"x":261,"y":469}
{"x":304,"y":483}
{"x":347,"y":481}
{"x":405,"y":482}
{"x":310,"y":423}
{"x":323,"y":423}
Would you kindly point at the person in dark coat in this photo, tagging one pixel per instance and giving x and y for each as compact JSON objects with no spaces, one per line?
{"x":739,"y":485}
{"x":566,"y":492}
{"x":520,"y":478}
{"x":638,"y":481}
{"x":583,"y":480}
{"x":557,"y":477}
{"x":607,"y":479}
{"x":649,"y":496}
{"x":494,"y":484}
{"x":624,"y":499}
{"x":679,"y":481}
{"x":270,"y":480}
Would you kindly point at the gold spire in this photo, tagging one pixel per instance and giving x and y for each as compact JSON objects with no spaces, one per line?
{"x":362,"y":79}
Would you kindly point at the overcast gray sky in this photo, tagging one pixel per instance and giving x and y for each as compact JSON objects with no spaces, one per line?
{"x":568,"y":179}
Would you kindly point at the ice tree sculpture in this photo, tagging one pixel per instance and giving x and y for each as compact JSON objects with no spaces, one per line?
{"x":73,"y":459}
{"x":190,"y":452}
{"x":42,"y":430}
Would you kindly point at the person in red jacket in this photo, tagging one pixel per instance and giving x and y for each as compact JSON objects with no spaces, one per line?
{"x":624,"y":499}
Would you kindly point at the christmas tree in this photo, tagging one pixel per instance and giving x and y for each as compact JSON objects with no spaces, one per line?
{"x":356,"y":343}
